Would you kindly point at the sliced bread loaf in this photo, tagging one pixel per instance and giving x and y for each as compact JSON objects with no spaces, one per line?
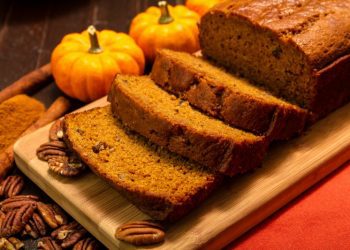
{"x":172,"y":123}
{"x":299,"y":49}
{"x":226,"y":96}
{"x":161,"y":184}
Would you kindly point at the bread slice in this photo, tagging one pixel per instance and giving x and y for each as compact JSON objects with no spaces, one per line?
{"x":299,"y":49}
{"x":161,"y":184}
{"x":172,"y":123}
{"x":226,"y":96}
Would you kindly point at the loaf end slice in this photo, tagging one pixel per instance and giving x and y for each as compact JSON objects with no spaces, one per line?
{"x":225,"y":96}
{"x":161,"y":184}
{"x":300,"y":50}
{"x":172,"y":123}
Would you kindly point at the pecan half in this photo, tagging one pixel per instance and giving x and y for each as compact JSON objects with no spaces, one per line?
{"x":17,"y":202}
{"x":11,"y":186}
{"x":69,"y":234}
{"x":141,"y":233}
{"x":53,"y":215}
{"x":11,"y":244}
{"x":18,"y":244}
{"x":51,"y":149}
{"x":56,"y":131}
{"x":52,"y":145}
{"x":88,"y":244}
{"x":15,"y":220}
{"x":35,"y":228}
{"x":50,"y":153}
{"x":66,"y":166}
{"x":60,"y":159}
{"x":2,"y":215}
{"x":47,"y":243}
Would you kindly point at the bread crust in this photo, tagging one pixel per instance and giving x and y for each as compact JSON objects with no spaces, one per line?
{"x":319,"y":28}
{"x":318,"y":31}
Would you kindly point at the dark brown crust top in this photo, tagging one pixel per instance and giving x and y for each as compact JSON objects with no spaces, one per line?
{"x":238,"y":109}
{"x":156,"y":207}
{"x":320,"y":29}
{"x":220,"y":154}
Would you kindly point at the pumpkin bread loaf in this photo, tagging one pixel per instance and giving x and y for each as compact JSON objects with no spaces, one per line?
{"x":300,"y":49}
{"x":16,"y":115}
{"x":161,"y":184}
{"x":172,"y":123}
{"x":226,"y":96}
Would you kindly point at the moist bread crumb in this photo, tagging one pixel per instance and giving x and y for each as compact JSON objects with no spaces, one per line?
{"x":172,"y":123}
{"x":161,"y":184}
{"x":227,"y":97}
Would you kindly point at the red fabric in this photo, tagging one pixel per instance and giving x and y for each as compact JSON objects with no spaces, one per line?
{"x":318,"y":219}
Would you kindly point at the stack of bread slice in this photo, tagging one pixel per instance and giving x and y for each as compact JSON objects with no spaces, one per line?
{"x":167,"y":140}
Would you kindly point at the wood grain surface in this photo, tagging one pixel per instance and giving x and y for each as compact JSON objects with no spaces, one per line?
{"x":289,"y":169}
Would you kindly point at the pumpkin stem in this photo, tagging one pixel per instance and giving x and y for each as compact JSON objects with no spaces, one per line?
{"x":165,"y":16}
{"x":95,"y":46}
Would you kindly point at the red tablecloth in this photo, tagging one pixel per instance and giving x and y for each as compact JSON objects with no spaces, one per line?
{"x":318,"y":219}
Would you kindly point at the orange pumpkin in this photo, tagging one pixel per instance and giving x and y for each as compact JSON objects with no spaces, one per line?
{"x":84,"y":65}
{"x":166,"y":27}
{"x":201,"y":6}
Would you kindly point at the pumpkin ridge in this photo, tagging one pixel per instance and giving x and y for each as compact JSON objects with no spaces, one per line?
{"x":107,"y":78}
{"x":73,"y":67}
{"x":66,"y":85}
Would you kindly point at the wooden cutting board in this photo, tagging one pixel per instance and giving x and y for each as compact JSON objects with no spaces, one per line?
{"x":288,"y":170}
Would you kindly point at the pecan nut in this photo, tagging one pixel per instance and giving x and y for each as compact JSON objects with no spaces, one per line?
{"x":60,"y":159}
{"x":69,"y":234}
{"x":18,"y":244}
{"x":141,"y":233}
{"x":53,"y":215}
{"x":18,"y":201}
{"x":35,"y":228}
{"x":11,"y":243}
{"x":15,"y":220}
{"x":50,"y":153}
{"x":11,"y":186}
{"x":99,"y":146}
{"x":2,"y":216}
{"x":51,"y":149}
{"x":56,"y":131}
{"x":88,"y":244}
{"x":52,"y":145}
{"x":47,"y":243}
{"x":66,"y":166}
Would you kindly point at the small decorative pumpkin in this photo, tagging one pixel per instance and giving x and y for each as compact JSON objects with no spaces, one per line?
{"x":201,"y":6}
{"x":84,"y":65}
{"x":166,"y":27}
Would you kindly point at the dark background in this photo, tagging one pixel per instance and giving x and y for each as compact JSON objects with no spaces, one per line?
{"x":29,"y":30}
